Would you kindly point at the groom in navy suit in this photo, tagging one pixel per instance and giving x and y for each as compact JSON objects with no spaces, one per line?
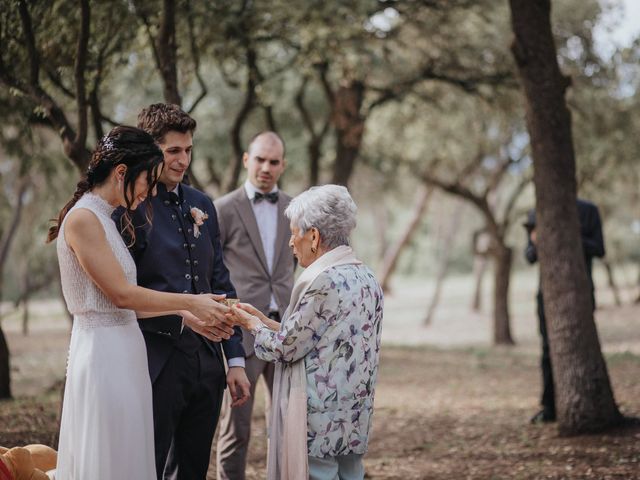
{"x":179,"y":251}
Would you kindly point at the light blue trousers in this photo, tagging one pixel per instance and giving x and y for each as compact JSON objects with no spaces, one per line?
{"x":342,"y":467}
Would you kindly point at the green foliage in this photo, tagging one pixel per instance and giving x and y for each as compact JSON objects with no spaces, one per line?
{"x":439,"y":85}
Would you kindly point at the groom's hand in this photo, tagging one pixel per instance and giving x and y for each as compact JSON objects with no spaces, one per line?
{"x":239,"y":386}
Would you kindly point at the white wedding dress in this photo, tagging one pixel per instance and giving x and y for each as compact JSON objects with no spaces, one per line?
{"x":107,"y":421}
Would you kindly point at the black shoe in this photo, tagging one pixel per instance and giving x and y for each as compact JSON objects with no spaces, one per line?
{"x":543,"y":416}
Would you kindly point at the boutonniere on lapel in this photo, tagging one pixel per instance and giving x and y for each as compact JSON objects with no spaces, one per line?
{"x":197,"y":217}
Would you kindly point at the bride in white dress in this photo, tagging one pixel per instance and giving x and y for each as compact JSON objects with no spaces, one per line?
{"x":106,"y":431}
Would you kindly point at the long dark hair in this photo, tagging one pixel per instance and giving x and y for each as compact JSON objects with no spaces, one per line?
{"x":123,"y":145}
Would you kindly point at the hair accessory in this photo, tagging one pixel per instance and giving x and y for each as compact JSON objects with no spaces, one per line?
{"x":106,"y":143}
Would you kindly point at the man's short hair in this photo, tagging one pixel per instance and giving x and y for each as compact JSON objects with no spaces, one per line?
{"x":159,"y":118}
{"x":270,"y":134}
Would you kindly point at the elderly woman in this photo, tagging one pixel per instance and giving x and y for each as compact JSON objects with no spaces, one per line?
{"x":326,"y":348}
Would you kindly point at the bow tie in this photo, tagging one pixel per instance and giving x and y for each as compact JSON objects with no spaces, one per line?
{"x":270,"y":197}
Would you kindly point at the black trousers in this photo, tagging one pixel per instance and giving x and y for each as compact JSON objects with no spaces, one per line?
{"x":548,"y":399}
{"x":187,"y":396}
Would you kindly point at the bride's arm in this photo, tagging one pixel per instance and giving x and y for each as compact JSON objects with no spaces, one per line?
{"x":218,"y":331}
{"x":85,"y":236}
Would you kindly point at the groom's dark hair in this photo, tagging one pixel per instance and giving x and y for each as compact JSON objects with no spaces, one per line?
{"x":159,"y":118}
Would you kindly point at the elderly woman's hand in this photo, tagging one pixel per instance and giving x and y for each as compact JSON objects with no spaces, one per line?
{"x":243,"y":314}
{"x":251,"y":310}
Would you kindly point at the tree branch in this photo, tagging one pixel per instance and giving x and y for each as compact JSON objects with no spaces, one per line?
{"x":167,"y":52}
{"x":30,"y":41}
{"x":497,"y":176}
{"x":456,"y":188}
{"x":76,"y":152}
{"x":248,"y":105}
{"x":55,"y":79}
{"x":11,"y":229}
{"x":513,"y":198}
{"x":302,"y":109}
{"x":79,"y":70}
{"x":195,"y":55}
{"x":322,"y":69}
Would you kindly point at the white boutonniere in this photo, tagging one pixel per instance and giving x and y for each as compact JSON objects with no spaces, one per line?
{"x":198,"y":217}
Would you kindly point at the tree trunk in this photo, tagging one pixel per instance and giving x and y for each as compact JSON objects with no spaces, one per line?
{"x":584,"y":398}
{"x":479,"y":269}
{"x":612,"y":282}
{"x":444,"y":256}
{"x":314,"y":162}
{"x":502,"y":258}
{"x":25,"y":316}
{"x":167,"y":48}
{"x":481,"y":241}
{"x":5,"y":245}
{"x":26,"y":288}
{"x":349,"y":127}
{"x":5,"y":368}
{"x":391,"y":258}
{"x":242,"y":116}
{"x":381,"y":220}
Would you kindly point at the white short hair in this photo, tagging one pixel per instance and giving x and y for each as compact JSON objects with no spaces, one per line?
{"x":329,"y":208}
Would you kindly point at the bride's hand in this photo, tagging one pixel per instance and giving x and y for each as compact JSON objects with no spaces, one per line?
{"x":208,"y":308}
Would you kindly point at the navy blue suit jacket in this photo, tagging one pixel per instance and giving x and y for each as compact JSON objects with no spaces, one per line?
{"x":170,"y":258}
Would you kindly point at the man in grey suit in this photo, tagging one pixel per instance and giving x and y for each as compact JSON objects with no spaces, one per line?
{"x":254,"y":234}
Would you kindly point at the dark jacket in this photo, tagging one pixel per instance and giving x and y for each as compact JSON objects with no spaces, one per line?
{"x":590,"y":234}
{"x":170,"y":258}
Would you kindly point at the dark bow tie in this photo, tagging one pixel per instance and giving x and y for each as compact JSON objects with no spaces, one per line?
{"x":270,"y":197}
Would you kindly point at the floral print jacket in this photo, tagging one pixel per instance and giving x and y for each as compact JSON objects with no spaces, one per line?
{"x":336,"y":329}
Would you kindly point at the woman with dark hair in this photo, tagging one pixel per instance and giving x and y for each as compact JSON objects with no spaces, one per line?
{"x":106,"y":431}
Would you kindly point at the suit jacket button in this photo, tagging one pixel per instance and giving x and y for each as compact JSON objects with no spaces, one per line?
{"x":195,"y":263}
{"x":187,"y":276}
{"x":185,"y":291}
{"x":193,"y":245}
{"x":196,"y":278}
{"x":167,"y":202}
{"x":187,"y":261}
{"x":179,"y":229}
{"x":189,"y":230}
{"x":173,"y":216}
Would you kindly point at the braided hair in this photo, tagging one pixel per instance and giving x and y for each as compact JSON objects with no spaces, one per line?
{"x":123,"y":145}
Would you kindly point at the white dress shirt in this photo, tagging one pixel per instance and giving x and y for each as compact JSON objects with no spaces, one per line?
{"x":266,"y":214}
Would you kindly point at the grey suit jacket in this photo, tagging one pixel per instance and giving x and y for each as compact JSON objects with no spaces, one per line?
{"x":245,"y":258}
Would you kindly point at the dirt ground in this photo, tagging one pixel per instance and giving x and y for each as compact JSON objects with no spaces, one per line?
{"x":457,"y":411}
{"x":440,"y":414}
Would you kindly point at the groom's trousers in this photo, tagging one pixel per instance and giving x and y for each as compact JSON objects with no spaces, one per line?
{"x":187,"y":396}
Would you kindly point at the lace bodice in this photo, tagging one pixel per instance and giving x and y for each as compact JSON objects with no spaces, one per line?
{"x":84,"y":299}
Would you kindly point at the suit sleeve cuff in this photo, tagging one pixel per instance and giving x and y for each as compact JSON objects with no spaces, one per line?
{"x":236,"y":362}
